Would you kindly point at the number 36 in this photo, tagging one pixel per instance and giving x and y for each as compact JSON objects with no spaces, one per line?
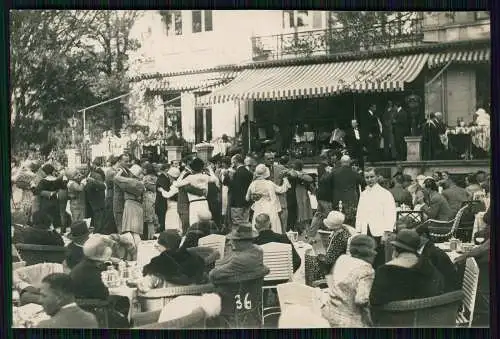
{"x":246,"y":301}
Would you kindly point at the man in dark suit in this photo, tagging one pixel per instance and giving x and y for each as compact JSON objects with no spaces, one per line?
{"x":266,"y":235}
{"x":436,"y":206}
{"x":454,"y":194}
{"x":388,"y":133}
{"x":58,"y":301}
{"x":401,"y":128}
{"x":373,"y":132}
{"x":400,"y":193}
{"x":355,"y":143}
{"x":346,"y":188}
{"x":237,"y":190}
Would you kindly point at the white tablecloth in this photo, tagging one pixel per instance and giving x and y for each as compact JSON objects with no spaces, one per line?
{"x":300,"y":275}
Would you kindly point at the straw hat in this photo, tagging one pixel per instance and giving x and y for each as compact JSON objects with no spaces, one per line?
{"x":98,"y":248}
{"x":333,"y":219}
{"x":262,"y":172}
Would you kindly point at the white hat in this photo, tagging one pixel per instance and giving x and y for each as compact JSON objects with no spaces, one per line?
{"x":174,"y":172}
{"x":333,"y":219}
{"x":262,"y":172}
{"x":98,"y":248}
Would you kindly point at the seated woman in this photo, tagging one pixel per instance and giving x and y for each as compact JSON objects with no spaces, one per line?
{"x":349,"y":283}
{"x":338,"y":240}
{"x":407,"y":275}
{"x":174,"y":265}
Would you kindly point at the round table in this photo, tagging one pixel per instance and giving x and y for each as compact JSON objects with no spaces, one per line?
{"x":300,"y":275}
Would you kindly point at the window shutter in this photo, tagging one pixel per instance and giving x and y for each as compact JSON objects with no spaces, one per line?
{"x":317,"y":20}
{"x":208,"y":127}
{"x":198,"y":125}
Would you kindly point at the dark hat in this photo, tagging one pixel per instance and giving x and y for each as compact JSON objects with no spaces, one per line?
{"x":79,"y":231}
{"x":197,"y":164}
{"x":170,"y":239}
{"x":41,"y":220}
{"x":243,"y":232}
{"x":408,"y":240}
{"x":48,"y":169}
{"x":100,"y":172}
{"x":362,"y":246}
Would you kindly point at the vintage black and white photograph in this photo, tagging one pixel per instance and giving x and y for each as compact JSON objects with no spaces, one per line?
{"x":199,"y":169}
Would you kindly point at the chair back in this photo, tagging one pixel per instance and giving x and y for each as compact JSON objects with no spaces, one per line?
{"x":278,"y":258}
{"x":215,"y":241}
{"x":241,"y":304}
{"x":443,"y":232}
{"x":469,"y":287}
{"x":37,"y":254}
{"x":156,"y":298}
{"x":324,"y":237}
{"x":295,"y":294}
{"x":438,"y":311}
{"x":100,"y":308}
{"x":194,"y":320}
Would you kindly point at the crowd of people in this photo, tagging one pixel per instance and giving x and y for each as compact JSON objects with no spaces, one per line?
{"x":251,"y":201}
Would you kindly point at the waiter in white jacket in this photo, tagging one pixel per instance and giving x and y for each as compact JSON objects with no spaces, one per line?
{"x":376,"y":214}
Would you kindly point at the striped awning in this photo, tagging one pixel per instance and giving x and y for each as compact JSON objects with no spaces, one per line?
{"x":464,"y":57}
{"x":303,"y":81}
{"x":189,"y":82}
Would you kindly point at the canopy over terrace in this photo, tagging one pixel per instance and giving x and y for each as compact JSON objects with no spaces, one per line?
{"x":307,"y":81}
{"x":460,"y":57}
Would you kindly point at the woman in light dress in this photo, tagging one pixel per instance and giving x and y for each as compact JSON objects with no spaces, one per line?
{"x":198,"y":179}
{"x":172,"y":219}
{"x":263,"y":192}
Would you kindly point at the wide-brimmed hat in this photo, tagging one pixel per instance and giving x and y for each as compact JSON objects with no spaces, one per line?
{"x":262,"y":172}
{"x":243,"y":232}
{"x":98,"y":248}
{"x":174,"y":172}
{"x":408,"y":240}
{"x":334,"y":218}
{"x":79,"y":231}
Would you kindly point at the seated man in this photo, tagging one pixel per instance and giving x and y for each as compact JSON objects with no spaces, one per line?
{"x":26,"y":280}
{"x":58,"y":301}
{"x":266,"y":235}
{"x":205,"y":226}
{"x":174,"y":265}
{"x":237,"y":277}
{"x":87,"y":273}
{"x":78,"y":235}
{"x":40,"y":233}
{"x":407,"y":276}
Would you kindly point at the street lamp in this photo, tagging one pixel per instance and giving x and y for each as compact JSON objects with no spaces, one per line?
{"x":72,"y":123}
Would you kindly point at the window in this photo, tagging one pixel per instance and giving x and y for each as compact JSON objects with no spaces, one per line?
{"x":173,"y":21}
{"x":482,"y":15}
{"x":294,"y":19}
{"x":202,"y":124}
{"x":202,"y":21}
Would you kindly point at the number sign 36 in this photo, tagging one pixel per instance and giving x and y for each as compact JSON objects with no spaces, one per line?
{"x":247,"y":303}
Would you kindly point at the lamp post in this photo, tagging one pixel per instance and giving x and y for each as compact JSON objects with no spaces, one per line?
{"x":72,"y":123}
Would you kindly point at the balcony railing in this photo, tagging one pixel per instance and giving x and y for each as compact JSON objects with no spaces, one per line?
{"x":337,"y":41}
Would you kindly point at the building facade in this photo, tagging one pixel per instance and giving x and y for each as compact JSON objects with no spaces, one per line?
{"x":203,"y":75}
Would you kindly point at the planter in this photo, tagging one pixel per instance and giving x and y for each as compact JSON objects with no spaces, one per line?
{"x":413,"y":146}
{"x":204,"y":151}
{"x":174,"y":153}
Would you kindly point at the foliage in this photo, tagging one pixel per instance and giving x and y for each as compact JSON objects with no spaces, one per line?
{"x":63,"y":61}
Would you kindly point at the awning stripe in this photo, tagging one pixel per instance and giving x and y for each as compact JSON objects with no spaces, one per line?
{"x":188,"y":82}
{"x":473,"y":56}
{"x":290,"y":82}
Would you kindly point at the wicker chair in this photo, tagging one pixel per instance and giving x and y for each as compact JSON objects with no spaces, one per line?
{"x":149,"y":320}
{"x":215,"y":241}
{"x":443,"y":231}
{"x":156,"y":298}
{"x":37,"y":254}
{"x":439,"y":311}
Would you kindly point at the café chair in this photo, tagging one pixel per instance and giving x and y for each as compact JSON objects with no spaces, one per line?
{"x":469,"y":288}
{"x":278,"y":258}
{"x":156,"y":298}
{"x":241,"y":304}
{"x":466,"y":226}
{"x":100,"y":308}
{"x":149,"y":320}
{"x":440,"y":230}
{"x":438,"y":311}
{"x":37,"y":254}
{"x":215,"y":241}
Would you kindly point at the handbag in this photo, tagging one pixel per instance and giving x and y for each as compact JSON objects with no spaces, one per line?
{"x":312,"y":267}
